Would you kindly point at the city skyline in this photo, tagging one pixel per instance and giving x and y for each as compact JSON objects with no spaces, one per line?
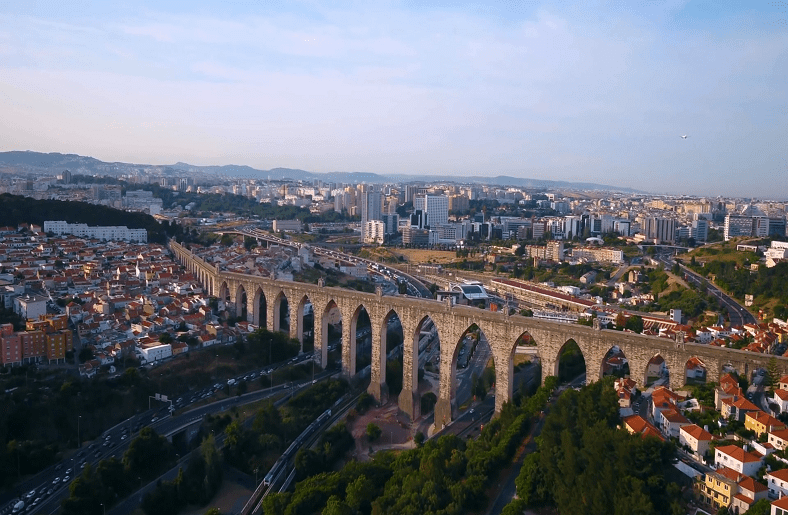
{"x":572,"y":92}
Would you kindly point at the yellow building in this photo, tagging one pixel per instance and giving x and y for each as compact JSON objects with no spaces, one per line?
{"x":716,"y":489}
{"x":760,"y":422}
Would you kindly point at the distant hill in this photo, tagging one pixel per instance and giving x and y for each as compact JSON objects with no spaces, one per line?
{"x":55,"y":163}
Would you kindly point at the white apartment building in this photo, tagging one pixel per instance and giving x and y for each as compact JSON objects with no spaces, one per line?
{"x":436,"y":207}
{"x":111,"y":232}
{"x":374,"y":231}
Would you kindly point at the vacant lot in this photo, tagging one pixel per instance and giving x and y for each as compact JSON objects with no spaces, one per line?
{"x":418,"y":256}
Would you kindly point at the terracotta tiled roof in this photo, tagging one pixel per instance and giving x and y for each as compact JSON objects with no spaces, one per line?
{"x":697,"y":432}
{"x":738,"y":454}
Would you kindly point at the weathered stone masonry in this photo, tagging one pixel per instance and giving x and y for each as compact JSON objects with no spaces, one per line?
{"x":452,"y":322}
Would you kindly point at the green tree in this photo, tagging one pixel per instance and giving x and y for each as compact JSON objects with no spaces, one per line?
{"x":635,"y":324}
{"x":165,"y":338}
{"x":148,"y":454}
{"x":761,"y":507}
{"x":373,"y":432}
{"x":772,"y":373}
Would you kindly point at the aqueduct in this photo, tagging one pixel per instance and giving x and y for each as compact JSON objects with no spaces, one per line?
{"x":262,"y":299}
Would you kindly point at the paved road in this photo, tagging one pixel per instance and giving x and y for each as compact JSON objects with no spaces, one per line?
{"x":737,"y":313}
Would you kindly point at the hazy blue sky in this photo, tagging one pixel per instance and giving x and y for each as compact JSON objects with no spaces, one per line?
{"x":582,"y":91}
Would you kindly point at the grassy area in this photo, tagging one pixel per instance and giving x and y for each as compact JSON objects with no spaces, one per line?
{"x":722,"y":252}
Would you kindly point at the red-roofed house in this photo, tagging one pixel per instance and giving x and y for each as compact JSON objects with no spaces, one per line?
{"x":736,"y":407}
{"x":779,"y":439}
{"x":761,"y":422}
{"x":777,"y":481}
{"x":781,"y":399}
{"x":780,"y":506}
{"x":671,"y":421}
{"x":750,"y":491}
{"x":738,"y":459}
{"x":635,"y":424}
{"x":696,"y":438}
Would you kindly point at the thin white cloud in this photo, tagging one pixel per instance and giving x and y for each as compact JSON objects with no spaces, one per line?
{"x":392,"y":90}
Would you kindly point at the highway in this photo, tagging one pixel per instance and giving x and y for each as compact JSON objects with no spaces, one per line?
{"x":415,"y":287}
{"x":50,"y":486}
{"x":737,"y":314}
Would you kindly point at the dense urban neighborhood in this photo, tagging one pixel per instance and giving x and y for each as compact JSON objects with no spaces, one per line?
{"x":102,"y":314}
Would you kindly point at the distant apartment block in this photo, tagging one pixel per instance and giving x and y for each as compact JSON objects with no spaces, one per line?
{"x":112,"y":232}
{"x":288,"y":225}
{"x":374,"y":231}
{"x":598,"y":254}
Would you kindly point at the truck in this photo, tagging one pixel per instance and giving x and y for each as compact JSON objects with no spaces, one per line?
{"x":18,"y":507}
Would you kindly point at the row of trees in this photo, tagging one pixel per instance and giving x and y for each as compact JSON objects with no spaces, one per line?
{"x":18,"y":209}
{"x":148,"y":456}
{"x":40,"y":418}
{"x":197,"y":484}
{"x":447,"y":475}
{"x":586,"y":464}
{"x":258,"y":447}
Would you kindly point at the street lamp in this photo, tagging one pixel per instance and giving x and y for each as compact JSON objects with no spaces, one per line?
{"x":104,"y":508}
{"x":79,"y":440}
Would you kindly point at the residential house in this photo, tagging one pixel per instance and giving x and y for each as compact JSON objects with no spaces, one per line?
{"x":780,"y":398}
{"x":716,"y":489}
{"x":736,"y":408}
{"x":750,"y":492}
{"x":671,"y":421}
{"x":696,"y":438}
{"x":780,"y":506}
{"x":777,"y":481}
{"x":635,"y":424}
{"x":761,"y":422}
{"x":738,"y":459}
{"x":779,"y":439}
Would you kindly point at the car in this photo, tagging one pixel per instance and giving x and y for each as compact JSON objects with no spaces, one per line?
{"x":30,"y":494}
{"x":49,"y":492}
{"x":154,"y":419}
{"x":123,"y":437}
{"x":58,"y":466}
{"x":66,"y":479}
{"x":471,"y":411}
{"x":91,"y":446}
{"x":56,"y":481}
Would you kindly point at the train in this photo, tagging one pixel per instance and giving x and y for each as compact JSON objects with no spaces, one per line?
{"x":291,"y":451}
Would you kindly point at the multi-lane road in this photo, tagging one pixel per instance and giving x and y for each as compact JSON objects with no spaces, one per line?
{"x":737,"y":314}
{"x":44,"y":492}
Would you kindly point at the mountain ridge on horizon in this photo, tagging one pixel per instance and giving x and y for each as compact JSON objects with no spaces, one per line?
{"x":41,"y":162}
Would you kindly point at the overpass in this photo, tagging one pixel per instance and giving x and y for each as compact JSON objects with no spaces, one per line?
{"x":261,"y":300}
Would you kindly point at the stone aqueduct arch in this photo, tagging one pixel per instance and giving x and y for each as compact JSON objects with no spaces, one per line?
{"x":451,"y":322}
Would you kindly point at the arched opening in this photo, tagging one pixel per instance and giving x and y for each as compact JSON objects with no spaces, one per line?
{"x":421,"y":380}
{"x":261,"y":309}
{"x":224,"y":300}
{"x":391,"y":339}
{"x":240,"y":302}
{"x":615,"y":363}
{"x":473,"y":372}
{"x":571,"y":364}
{"x":306,"y":324}
{"x":331,"y":335}
{"x":694,"y":371}
{"x":656,"y":372}
{"x":525,"y":365}
{"x":360,"y":343}
{"x":281,"y":313}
